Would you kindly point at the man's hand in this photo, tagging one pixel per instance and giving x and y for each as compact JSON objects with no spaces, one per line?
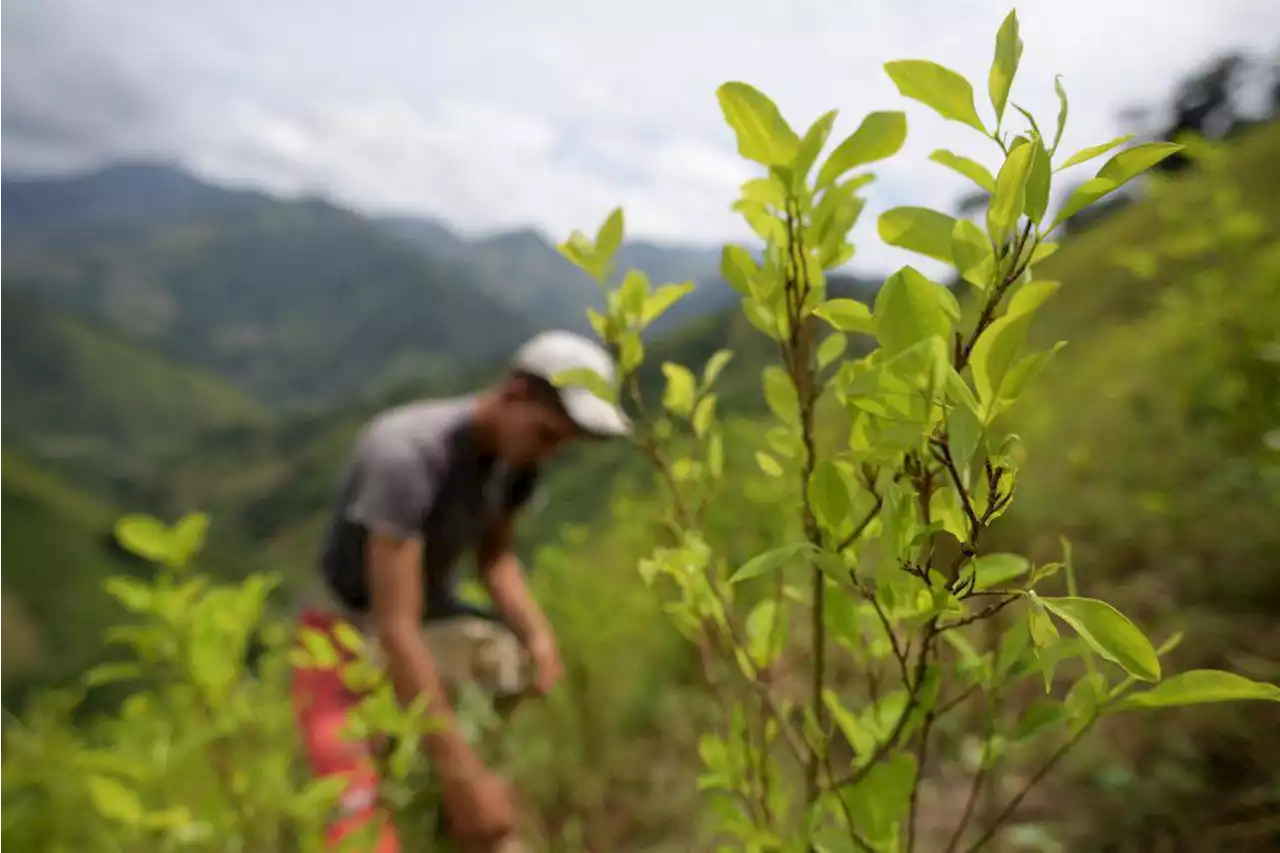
{"x":547,"y":667}
{"x":479,"y":806}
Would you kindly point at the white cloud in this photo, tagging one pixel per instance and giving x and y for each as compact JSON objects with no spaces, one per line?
{"x":493,"y":115}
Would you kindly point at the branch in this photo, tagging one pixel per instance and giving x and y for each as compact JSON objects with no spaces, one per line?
{"x":1031,"y":783}
{"x":978,"y":779}
{"x":987,"y":612}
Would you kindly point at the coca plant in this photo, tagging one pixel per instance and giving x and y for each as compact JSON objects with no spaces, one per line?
{"x":840,"y":685}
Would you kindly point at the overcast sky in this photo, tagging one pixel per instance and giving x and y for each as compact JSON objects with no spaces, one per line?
{"x":547,"y":113}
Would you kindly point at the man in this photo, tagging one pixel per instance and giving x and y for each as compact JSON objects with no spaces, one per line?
{"x":428,"y":482}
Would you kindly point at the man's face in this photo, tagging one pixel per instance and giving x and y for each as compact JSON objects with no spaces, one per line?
{"x":531,"y":428}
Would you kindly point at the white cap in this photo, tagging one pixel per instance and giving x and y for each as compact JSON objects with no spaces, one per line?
{"x":549,"y":354}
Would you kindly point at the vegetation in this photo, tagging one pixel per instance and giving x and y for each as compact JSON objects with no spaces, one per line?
{"x":1148,"y":442}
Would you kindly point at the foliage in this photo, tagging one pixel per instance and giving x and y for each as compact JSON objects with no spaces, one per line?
{"x":887,"y":576}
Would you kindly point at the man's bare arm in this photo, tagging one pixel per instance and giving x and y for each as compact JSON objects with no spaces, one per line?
{"x":504,"y":577}
{"x":395,"y":577}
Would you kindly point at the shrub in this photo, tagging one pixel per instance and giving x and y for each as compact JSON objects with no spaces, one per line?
{"x":887,"y":582}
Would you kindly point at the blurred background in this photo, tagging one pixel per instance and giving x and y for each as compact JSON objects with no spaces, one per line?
{"x":233,"y":230}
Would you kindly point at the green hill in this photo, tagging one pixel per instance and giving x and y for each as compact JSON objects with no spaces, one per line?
{"x":88,"y":401}
{"x":294,"y":302}
{"x":57,"y":552}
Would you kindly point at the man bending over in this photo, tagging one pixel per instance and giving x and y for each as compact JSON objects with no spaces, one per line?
{"x":427,"y":482}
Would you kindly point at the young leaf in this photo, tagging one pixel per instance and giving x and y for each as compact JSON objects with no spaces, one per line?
{"x":846,"y":315}
{"x":114,"y":801}
{"x":768,"y":464}
{"x":1086,"y":154}
{"x":996,"y":350}
{"x":971,"y":169}
{"x":943,"y":90}
{"x":719,"y":359}
{"x":780,"y":394}
{"x":583,"y":378}
{"x":187,"y":538}
{"x":829,"y":495}
{"x":972,"y":255}
{"x":880,"y":135}
{"x":661,"y":299}
{"x":1199,"y":686}
{"x":763,"y":134}
{"x":770,"y":561}
{"x":1109,"y":633}
{"x":909,"y":309}
{"x":994,"y":570}
{"x":678,"y":397}
{"x":1062,"y":112}
{"x":609,"y":237}
{"x":1005,"y":64}
{"x":1009,"y":199}
{"x":811,"y":145}
{"x":831,"y":348}
{"x":145,"y":536}
{"x":918,"y":229}
{"x":1131,"y":162}
{"x":1114,"y":174}
{"x":1039,"y":178}
{"x":738,"y":268}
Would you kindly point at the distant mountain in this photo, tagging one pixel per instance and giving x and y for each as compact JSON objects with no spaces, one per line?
{"x":294,"y":301}
{"x":523,"y":270}
{"x":128,"y":192}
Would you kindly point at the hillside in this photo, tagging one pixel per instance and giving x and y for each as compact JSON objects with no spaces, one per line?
{"x":294,"y":302}
{"x":57,"y":552}
{"x":88,"y":401}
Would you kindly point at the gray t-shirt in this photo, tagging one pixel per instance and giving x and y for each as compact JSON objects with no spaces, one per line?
{"x":417,"y":472}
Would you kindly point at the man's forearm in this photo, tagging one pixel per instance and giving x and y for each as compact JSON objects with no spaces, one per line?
{"x":414,"y":673}
{"x":504,"y":577}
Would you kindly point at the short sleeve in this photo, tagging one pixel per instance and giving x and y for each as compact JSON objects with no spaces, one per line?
{"x":393,"y":491}
{"x":522,"y":488}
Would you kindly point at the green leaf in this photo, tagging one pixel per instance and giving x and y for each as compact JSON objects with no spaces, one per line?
{"x":581,"y":377}
{"x":114,"y":801}
{"x":1200,"y":686}
{"x":109,"y":673}
{"x":132,"y":593}
{"x":971,"y":169}
{"x":1109,"y":633}
{"x":1039,"y":178}
{"x":831,"y":348}
{"x":187,"y":538}
{"x":703,"y":414}
{"x":811,"y":145}
{"x":770,"y":561}
{"x":717,"y":363}
{"x":909,"y":309}
{"x":1131,"y":162}
{"x":768,"y":464}
{"x":631,"y":294}
{"x":1062,"y":112}
{"x":678,"y":397}
{"x":1114,"y":174}
{"x":846,"y":315}
{"x":1005,"y":64}
{"x":918,"y":229}
{"x":997,"y":348}
{"x":972,"y":255}
{"x":995,"y":570}
{"x":656,"y":304}
{"x":763,"y":134}
{"x":767,"y":191}
{"x":766,"y":631}
{"x":321,"y":651}
{"x":1009,"y":199}
{"x":880,"y":135}
{"x":943,"y":90}
{"x":738,"y":268}
{"x":145,"y":536}
{"x":880,"y":801}
{"x":829,"y":495}
{"x":609,"y":237}
{"x":1084,"y":155}
{"x":780,"y":394}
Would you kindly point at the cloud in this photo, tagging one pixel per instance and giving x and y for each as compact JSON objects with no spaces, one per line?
{"x":503,"y":114}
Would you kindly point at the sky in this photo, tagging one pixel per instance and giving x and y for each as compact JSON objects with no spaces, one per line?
{"x":548,"y":113}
